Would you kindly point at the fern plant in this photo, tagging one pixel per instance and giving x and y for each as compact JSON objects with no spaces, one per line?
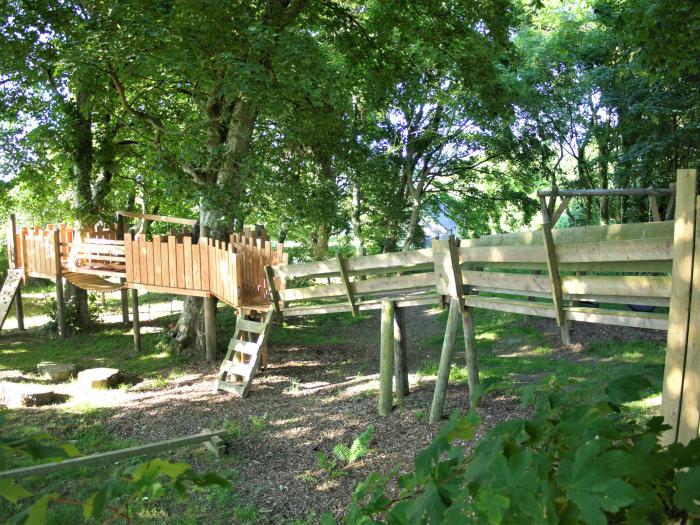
{"x":358,"y":449}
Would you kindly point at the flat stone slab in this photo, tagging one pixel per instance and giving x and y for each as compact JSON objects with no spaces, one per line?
{"x":18,"y":395}
{"x":99,"y":377}
{"x":56,"y":371}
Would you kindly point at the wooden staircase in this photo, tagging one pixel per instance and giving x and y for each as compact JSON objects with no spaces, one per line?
{"x":247,"y":348}
{"x":9,"y":289}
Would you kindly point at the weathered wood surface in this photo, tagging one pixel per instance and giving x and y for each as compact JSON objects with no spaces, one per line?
{"x":678,"y":319}
{"x":386,"y":358}
{"x":446,"y":355}
{"x":110,"y":457}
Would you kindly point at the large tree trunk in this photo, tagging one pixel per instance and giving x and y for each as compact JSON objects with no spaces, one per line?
{"x":220,"y":202}
{"x":413,"y":221}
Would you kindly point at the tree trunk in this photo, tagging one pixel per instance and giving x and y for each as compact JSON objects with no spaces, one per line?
{"x":321,"y":240}
{"x":356,"y":222}
{"x":413,"y":222}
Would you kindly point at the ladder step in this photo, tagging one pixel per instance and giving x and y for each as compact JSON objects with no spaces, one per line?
{"x":234,"y":388}
{"x":244,"y":347}
{"x":239,"y":369}
{"x":244,"y":325}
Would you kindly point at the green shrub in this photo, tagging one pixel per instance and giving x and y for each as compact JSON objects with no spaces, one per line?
{"x":49,"y":308}
{"x":568,"y":463}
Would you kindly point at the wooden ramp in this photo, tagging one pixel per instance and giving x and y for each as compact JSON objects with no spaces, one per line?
{"x":244,"y":355}
{"x":9,"y":289}
{"x":91,"y":282}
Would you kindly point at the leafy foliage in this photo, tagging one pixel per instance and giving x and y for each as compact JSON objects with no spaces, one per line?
{"x":572,"y":463}
{"x":112,"y":500}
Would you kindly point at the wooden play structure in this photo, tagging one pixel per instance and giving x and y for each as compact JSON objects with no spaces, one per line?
{"x":640,"y":275}
{"x":105,"y":258}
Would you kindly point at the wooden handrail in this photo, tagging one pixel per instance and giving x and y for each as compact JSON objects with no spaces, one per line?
{"x":158,"y":218}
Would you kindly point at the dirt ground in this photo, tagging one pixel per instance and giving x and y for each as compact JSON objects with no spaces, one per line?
{"x":310,"y":399}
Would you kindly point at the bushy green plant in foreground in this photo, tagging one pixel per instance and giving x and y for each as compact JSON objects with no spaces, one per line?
{"x":566,"y":464}
{"x":112,"y":500}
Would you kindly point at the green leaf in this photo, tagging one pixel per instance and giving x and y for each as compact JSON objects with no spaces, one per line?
{"x":484,"y":387}
{"x":11,"y":491}
{"x":95,"y":505}
{"x":687,"y":496}
{"x":493,"y":505}
{"x":589,"y":486}
{"x":627,"y":388}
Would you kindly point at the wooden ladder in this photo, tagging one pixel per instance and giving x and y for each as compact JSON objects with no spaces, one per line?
{"x":8,"y":292}
{"x":244,"y":354}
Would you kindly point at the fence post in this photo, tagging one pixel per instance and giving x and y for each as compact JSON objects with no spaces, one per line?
{"x":445,"y":361}
{"x":680,"y":323}
{"x":400,"y":355}
{"x":13,"y":250}
{"x":209,"y":310}
{"x":135,"y":319}
{"x":123,"y":293}
{"x":386,"y":358}
{"x":553,"y":268}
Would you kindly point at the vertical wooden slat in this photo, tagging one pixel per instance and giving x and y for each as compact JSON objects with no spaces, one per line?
{"x":164,"y":262}
{"x":150,"y":266}
{"x":187,"y":257}
{"x":127,"y":256}
{"x":204,"y":262}
{"x":136,"y":260}
{"x":157,"y":261}
{"x":678,"y":316}
{"x":180,"y":255}
{"x":172,"y":260}
{"x":238,"y":279}
{"x":143,"y":258}
{"x":196,"y":268}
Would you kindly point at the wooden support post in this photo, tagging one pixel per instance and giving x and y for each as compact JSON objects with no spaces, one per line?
{"x":671,"y":207}
{"x":448,"y":345}
{"x":470,"y":346}
{"x":135,"y":319}
{"x":689,"y":415}
{"x":60,"y":303}
{"x":561,"y":209}
{"x":553,"y":268}
{"x":210,"y":328}
{"x":274,"y":294}
{"x":654,"y":207}
{"x":679,"y":314}
{"x":400,"y":355}
{"x":13,"y":255}
{"x":386,"y":358}
{"x":348,"y":285}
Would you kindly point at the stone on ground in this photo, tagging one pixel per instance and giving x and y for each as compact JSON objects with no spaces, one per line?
{"x":56,"y":371}
{"x":17,"y":395}
{"x":99,"y":377}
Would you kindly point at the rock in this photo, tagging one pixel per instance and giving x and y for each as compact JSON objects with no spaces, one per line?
{"x":56,"y":371}
{"x":17,"y":395}
{"x":99,"y":377}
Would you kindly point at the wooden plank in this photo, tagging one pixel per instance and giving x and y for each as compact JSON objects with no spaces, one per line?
{"x":167,"y":289}
{"x":654,"y":207}
{"x":187,"y":253}
{"x":204,"y":263}
{"x":164,"y":262}
{"x":612,"y":232}
{"x":401,"y":301}
{"x":143,"y":258}
{"x":448,"y":278}
{"x":150,"y":264}
{"x":157,"y":218}
{"x":678,"y":326}
{"x":172,"y":260}
{"x":400,"y":355}
{"x":646,"y":320}
{"x":689,"y":413}
{"x":109,"y":457}
{"x":275,"y":296}
{"x":157,"y":261}
{"x":344,"y":278}
{"x":561,"y":209}
{"x":136,"y":260}
{"x":180,"y":257}
{"x":196,"y":267}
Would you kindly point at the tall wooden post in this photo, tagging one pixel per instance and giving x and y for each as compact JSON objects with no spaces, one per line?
{"x":386,"y":358}
{"x":135,"y":319}
{"x":13,"y":254}
{"x":60,"y":302}
{"x":553,"y":268}
{"x":400,"y":355}
{"x":209,"y":311}
{"x":448,"y":345}
{"x":680,"y":322}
